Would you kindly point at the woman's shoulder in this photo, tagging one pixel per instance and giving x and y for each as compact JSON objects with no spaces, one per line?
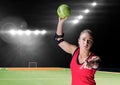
{"x":94,"y":57}
{"x":75,"y":49}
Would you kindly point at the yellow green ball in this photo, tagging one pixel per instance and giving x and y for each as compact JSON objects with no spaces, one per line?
{"x":64,"y":11}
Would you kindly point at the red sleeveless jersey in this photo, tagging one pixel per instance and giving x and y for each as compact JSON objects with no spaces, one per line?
{"x":83,"y":76}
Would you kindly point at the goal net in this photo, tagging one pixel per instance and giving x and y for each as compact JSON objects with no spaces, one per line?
{"x":32,"y":64}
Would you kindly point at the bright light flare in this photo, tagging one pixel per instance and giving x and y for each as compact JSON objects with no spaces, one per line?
{"x":94,"y":4}
{"x":86,"y":11}
{"x":12,"y":32}
{"x":36,"y":32}
{"x":28,"y":32}
{"x":22,"y":37}
{"x":43,"y":32}
{"x":75,"y":21}
{"x":25,"y":32}
{"x":20,"y":32}
{"x":80,"y":17}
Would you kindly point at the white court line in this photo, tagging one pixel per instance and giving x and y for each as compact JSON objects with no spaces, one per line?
{"x":105,"y":78}
{"x":109,"y":72}
{"x":31,"y":78}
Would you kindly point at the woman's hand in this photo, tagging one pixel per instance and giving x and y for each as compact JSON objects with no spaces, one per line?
{"x":91,"y":63}
{"x":94,"y":62}
{"x":62,"y":20}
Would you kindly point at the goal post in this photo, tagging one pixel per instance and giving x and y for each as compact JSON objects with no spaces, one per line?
{"x":32,"y":64}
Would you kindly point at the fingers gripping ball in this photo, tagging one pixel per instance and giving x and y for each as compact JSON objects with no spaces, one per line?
{"x":63,"y":11}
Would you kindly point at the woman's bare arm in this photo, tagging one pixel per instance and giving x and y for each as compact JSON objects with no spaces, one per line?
{"x":67,"y":47}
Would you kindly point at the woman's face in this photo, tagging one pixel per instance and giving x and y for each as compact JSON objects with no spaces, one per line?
{"x":85,"y":41}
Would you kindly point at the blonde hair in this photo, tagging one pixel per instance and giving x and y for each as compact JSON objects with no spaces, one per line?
{"x":87,"y":31}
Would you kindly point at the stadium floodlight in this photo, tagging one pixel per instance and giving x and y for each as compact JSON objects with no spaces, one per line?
{"x":86,"y":11}
{"x":43,"y":32}
{"x":75,"y":21}
{"x":20,"y":32}
{"x":94,"y":4}
{"x":36,"y":32}
{"x":80,"y":17}
{"x":12,"y":32}
{"x":28,"y":32}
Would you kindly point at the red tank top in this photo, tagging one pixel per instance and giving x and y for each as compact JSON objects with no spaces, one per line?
{"x":83,"y":76}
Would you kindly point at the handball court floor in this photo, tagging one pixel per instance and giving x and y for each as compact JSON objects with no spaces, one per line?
{"x":50,"y":76}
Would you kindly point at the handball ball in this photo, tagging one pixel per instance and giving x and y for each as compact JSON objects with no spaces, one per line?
{"x":63,"y":11}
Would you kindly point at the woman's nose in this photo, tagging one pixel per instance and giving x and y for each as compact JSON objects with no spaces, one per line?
{"x":86,"y":42}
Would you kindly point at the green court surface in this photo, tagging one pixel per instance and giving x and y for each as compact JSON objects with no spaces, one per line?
{"x":51,"y":77}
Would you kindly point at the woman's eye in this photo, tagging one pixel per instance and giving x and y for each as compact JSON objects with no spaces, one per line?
{"x":90,"y":41}
{"x":83,"y":39}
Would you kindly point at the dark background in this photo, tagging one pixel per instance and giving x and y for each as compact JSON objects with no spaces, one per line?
{"x":104,"y":20}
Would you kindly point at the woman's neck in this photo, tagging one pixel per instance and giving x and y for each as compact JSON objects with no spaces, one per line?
{"x":84,"y":53}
